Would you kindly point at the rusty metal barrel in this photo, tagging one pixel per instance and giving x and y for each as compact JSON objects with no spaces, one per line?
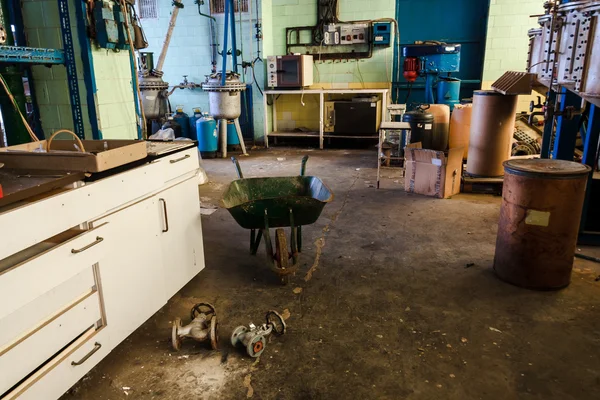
{"x":541,"y":207}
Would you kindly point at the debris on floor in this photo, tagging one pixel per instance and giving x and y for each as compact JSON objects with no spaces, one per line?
{"x":495,"y":330}
{"x":248,"y":385}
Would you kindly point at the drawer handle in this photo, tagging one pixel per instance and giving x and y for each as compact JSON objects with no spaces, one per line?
{"x":97,"y":347}
{"x":84,"y":248}
{"x":166,"y":229}
{"x":179,"y":159}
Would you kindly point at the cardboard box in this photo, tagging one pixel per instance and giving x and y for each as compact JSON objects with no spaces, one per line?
{"x":432,"y":173}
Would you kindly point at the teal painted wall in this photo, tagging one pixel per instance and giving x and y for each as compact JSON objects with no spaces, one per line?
{"x":115,"y":105}
{"x":189,"y":53}
{"x":289,"y":13}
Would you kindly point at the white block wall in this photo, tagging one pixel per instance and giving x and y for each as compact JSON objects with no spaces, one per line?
{"x":507,"y":41}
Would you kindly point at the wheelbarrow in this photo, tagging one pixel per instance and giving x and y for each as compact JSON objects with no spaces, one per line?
{"x":260,"y":204}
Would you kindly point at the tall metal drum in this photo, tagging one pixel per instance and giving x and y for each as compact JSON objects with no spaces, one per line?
{"x":492,"y":129}
{"x":539,"y":220}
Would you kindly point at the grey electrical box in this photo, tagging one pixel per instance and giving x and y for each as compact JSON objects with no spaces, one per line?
{"x":354,"y":33}
{"x":331,"y":35}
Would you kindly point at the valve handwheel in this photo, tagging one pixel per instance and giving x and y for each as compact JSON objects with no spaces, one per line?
{"x":203,"y":308}
{"x":275,"y":320}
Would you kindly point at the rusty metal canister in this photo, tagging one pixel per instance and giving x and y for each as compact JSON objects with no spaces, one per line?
{"x":492,"y":129}
{"x":539,"y":221}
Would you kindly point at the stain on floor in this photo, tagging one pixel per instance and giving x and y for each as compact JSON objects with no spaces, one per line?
{"x":395,"y":299}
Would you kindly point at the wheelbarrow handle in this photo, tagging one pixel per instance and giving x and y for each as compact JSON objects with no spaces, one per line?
{"x":303,"y":167}
{"x":237,"y":167}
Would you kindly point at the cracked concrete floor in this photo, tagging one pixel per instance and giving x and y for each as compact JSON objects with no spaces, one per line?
{"x":390,"y":312}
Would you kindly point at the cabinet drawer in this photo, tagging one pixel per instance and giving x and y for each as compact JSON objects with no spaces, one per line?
{"x":179,"y":164}
{"x":29,"y":279}
{"x":66,"y":368}
{"x":25,"y":354}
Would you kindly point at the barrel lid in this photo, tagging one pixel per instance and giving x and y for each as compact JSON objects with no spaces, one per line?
{"x":546,"y":168}
{"x":592,"y":6}
{"x":487,"y":93}
{"x":418,"y":115}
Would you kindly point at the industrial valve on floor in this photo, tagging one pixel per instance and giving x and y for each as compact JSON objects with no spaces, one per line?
{"x":254,"y":338}
{"x":203,"y":327}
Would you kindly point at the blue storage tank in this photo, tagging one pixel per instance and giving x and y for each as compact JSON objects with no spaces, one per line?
{"x":193,"y":119}
{"x":233,"y":142}
{"x":448,"y":91}
{"x":208,"y":136}
{"x":183,"y":120}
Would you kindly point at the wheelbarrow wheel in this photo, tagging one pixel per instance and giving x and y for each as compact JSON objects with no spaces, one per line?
{"x":282,"y":255}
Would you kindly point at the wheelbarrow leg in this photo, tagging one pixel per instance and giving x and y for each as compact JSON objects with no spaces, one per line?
{"x":299,"y":238}
{"x":255,"y":240}
{"x":267,"y":236}
{"x":293,"y":238}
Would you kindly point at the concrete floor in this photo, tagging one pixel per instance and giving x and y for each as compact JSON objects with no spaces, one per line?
{"x":388,"y":311}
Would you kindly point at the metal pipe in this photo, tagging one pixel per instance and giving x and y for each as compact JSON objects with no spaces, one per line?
{"x":214,"y":42}
{"x":223,"y":137}
{"x":163,"y":53}
{"x":224,"y":52}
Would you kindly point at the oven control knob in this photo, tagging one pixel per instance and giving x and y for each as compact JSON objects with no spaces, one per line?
{"x":272,"y":66}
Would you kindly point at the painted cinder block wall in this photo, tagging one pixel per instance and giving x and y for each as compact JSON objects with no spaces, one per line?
{"x":115,"y":107}
{"x":189,"y":52}
{"x":507,"y":42}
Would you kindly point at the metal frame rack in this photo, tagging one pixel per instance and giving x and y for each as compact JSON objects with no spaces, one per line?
{"x":42,"y":56}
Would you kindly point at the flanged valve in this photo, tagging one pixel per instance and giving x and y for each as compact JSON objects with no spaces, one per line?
{"x":254,"y":338}
{"x":203,"y":327}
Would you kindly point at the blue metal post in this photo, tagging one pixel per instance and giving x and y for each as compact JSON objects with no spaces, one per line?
{"x":233,"y":38}
{"x":590,"y":146}
{"x":548,"y":127}
{"x":67,"y":38}
{"x":429,"y":81}
{"x":14,"y":8}
{"x":88,"y":67}
{"x":566,"y":130}
{"x":226,"y":30}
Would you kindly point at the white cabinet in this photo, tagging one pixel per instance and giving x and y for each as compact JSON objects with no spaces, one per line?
{"x":122,"y":246}
{"x":131,"y":273}
{"x":181,"y":234}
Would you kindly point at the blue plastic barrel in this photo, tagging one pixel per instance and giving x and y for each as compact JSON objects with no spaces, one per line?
{"x":448,"y":91}
{"x":183,"y":120}
{"x":233,"y":142}
{"x":193,"y":119}
{"x":208,"y":136}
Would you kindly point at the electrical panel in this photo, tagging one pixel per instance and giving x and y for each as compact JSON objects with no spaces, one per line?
{"x":110,"y":26}
{"x":382,"y":33}
{"x":354,"y":33}
{"x":331,"y":35}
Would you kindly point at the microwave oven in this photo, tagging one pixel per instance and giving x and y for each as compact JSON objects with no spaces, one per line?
{"x":293,"y":71}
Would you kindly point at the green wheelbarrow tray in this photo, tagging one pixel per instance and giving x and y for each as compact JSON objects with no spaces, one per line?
{"x":259,"y":204}
{"x":247,"y":199}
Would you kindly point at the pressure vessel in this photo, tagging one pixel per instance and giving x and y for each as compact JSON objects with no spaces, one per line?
{"x":183,"y":120}
{"x":233,"y":142}
{"x":193,"y":119}
{"x":208,"y":136}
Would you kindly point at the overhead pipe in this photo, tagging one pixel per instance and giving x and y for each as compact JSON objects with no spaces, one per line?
{"x":214,"y":42}
{"x":177,"y":5}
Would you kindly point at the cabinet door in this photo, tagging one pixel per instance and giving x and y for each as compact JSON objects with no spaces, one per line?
{"x":131,"y":273}
{"x":181,"y":237}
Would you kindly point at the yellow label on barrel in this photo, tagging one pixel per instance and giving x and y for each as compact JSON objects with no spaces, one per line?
{"x":539,"y":218}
